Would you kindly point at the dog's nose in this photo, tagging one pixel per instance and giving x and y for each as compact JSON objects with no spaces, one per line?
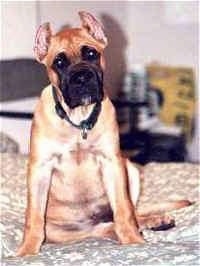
{"x":81,"y":77}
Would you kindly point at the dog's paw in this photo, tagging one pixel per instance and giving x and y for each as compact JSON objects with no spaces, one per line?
{"x":27,"y":249}
{"x":21,"y":252}
{"x":130,"y":237}
{"x":164,"y":225}
{"x":156,"y":222}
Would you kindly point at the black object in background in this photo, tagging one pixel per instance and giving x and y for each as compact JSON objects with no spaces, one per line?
{"x":21,"y":78}
{"x":153,"y":147}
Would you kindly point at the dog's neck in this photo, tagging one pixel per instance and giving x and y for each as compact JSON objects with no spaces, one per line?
{"x":82,"y":117}
{"x":79,"y":113}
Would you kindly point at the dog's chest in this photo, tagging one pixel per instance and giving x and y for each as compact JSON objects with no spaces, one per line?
{"x":77,"y":191}
{"x":79,"y":176}
{"x":78,"y":169}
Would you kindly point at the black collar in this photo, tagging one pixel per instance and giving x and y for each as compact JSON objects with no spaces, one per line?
{"x":86,"y":124}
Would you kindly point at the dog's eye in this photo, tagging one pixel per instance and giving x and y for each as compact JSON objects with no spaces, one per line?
{"x":61,"y":61}
{"x":89,"y":53}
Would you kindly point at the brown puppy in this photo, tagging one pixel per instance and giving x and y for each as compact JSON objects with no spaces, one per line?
{"x":78,"y":183}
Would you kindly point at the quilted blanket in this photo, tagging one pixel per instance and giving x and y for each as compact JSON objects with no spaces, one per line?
{"x":177,"y":246}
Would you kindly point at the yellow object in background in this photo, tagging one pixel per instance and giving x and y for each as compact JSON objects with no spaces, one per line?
{"x":177,"y":86}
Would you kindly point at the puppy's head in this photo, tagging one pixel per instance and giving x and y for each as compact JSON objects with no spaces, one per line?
{"x":74,"y":60}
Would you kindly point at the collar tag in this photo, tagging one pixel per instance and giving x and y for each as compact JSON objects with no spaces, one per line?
{"x":84,"y":132}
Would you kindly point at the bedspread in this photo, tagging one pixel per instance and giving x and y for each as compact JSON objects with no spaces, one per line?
{"x":161,"y":182}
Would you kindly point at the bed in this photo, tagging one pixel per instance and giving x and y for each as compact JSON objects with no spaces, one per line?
{"x":168,"y":181}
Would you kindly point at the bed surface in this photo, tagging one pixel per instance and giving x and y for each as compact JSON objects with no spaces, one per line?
{"x":177,"y":246}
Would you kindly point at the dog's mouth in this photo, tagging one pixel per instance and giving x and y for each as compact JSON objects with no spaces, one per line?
{"x":86,"y":100}
{"x":82,"y":86}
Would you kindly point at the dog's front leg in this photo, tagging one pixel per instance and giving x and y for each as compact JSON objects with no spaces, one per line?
{"x":38,"y":182}
{"x":116,"y":184}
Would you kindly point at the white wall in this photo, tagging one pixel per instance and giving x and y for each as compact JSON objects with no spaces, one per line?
{"x":155,"y":34}
{"x":62,"y":12}
{"x":18,"y":29}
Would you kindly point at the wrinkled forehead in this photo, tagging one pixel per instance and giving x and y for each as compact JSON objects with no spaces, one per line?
{"x":70,"y":42}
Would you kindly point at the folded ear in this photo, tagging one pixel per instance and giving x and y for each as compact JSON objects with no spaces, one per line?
{"x":93,"y":27}
{"x":42,"y":41}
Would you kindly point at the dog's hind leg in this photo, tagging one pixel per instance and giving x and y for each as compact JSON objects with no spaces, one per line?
{"x":151,"y":216}
{"x":158,"y":208}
